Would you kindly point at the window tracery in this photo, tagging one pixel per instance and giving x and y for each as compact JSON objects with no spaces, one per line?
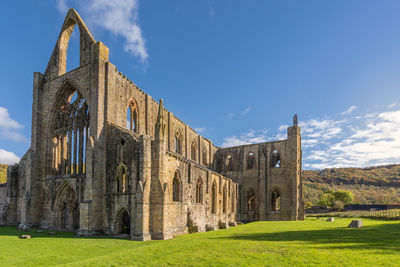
{"x":70,"y":134}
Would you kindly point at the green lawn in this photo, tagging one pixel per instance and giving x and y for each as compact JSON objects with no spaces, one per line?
{"x":304,"y":243}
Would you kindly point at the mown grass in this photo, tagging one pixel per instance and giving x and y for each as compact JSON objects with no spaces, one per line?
{"x":304,"y":243}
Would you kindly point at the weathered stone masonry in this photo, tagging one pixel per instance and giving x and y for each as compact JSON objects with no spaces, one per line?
{"x":106,"y":158}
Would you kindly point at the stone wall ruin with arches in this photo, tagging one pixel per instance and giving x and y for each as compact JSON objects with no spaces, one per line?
{"x":105,"y":157}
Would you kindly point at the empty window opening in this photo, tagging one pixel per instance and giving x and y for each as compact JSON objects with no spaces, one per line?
{"x":193,"y":151}
{"x":228,"y":163}
{"x":176,"y":188}
{"x":178,"y":143}
{"x":199,"y":191}
{"x":251,"y":203}
{"x":121,"y":179}
{"x":224,"y":200}
{"x":132,"y":117}
{"x":276,"y":201}
{"x":233,"y":202}
{"x":251,"y":161}
{"x":204,"y":155}
{"x":275,"y":161}
{"x":73,"y":50}
{"x":214,"y":198}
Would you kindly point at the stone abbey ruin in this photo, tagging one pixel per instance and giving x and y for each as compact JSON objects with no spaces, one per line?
{"x":87,"y":171}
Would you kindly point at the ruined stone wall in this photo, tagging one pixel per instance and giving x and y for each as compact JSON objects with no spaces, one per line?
{"x":265,"y":175}
{"x":122,"y":149}
{"x":3,"y":199}
{"x":190,"y":211}
{"x":121,"y":90}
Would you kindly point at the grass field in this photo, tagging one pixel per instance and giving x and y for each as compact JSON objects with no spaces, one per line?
{"x":311,"y":242}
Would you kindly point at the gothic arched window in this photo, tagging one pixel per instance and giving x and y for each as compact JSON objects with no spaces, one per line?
{"x":275,"y":161}
{"x":214,"y":198}
{"x":176,"y":188}
{"x":251,"y":161}
{"x":178,"y":143}
{"x":199,"y":191}
{"x":70,"y":133}
{"x":224,"y":200}
{"x":193,"y":149}
{"x":204,"y":156}
{"x":275,"y":201}
{"x":121,"y":179}
{"x":132,"y":117}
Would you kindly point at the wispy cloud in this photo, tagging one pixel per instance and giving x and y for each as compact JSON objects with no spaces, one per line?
{"x":245,"y":111}
{"x":7,"y":157}
{"x":342,"y":140}
{"x":200,"y":129}
{"x":211,"y":9}
{"x":9,"y":128}
{"x":230,"y":116}
{"x":251,"y":137}
{"x":119,"y":17}
{"x":349,"y":110}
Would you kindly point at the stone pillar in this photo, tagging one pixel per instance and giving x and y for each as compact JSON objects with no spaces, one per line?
{"x":141,"y":227}
{"x":158,"y":209}
{"x":98,"y":110}
{"x":294,"y":172}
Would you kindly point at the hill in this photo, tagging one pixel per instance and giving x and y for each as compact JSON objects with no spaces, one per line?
{"x":3,"y":173}
{"x":371,"y":185}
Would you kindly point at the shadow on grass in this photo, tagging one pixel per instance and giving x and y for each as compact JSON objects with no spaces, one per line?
{"x":13,"y":231}
{"x":383,"y":236}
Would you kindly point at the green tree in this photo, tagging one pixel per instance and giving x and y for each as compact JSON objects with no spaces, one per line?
{"x":346,"y":197}
{"x":326,"y":200}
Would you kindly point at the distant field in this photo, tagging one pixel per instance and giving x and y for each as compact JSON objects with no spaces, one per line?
{"x":3,"y":173}
{"x":311,"y":242}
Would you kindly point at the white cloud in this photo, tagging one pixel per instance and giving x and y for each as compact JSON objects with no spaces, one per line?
{"x":119,"y":17}
{"x":200,"y":129}
{"x":349,"y":110}
{"x":62,"y":6}
{"x":371,"y":140}
{"x":7,"y":157}
{"x":245,"y":111}
{"x":9,"y":127}
{"x":251,"y":137}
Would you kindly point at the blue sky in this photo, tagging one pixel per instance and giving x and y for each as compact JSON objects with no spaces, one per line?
{"x":237,"y":71}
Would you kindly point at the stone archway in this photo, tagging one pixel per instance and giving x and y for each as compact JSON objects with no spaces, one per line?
{"x":66,"y":208}
{"x":123,"y":222}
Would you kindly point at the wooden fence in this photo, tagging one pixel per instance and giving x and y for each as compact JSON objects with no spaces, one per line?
{"x":379,"y":214}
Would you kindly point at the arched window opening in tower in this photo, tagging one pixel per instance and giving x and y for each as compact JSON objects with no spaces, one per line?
{"x":276,"y":201}
{"x":132,"y":117}
{"x":228,"y":163}
{"x":251,"y":161}
{"x":275,"y":161}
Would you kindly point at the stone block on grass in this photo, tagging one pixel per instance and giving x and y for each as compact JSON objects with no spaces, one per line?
{"x":355,"y":224}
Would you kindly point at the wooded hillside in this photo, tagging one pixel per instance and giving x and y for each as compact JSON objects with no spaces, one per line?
{"x":372,"y":185}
